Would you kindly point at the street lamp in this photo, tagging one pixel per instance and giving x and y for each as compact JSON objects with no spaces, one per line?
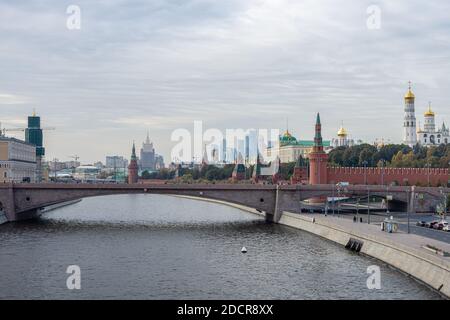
{"x":333,"y":199}
{"x":428,"y":165}
{"x":365,"y":171}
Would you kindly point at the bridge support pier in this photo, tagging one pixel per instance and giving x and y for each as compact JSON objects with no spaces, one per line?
{"x":8,"y":204}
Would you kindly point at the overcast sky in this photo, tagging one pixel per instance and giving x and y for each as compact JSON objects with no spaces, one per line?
{"x":158,"y":65}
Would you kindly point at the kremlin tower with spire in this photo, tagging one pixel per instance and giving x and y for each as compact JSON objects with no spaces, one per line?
{"x":318,"y":159}
{"x":133,"y":167}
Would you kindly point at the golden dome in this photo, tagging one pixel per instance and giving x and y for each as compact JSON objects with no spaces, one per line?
{"x":287,"y":134}
{"x":342,"y":132}
{"x":409,"y":95}
{"x":429,"y":112}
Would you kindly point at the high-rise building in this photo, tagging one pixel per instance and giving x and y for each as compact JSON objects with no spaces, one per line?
{"x":409,"y":120}
{"x":147,"y":159}
{"x":33,"y":135}
{"x":116,"y":162}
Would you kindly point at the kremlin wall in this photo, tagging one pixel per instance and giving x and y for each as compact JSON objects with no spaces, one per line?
{"x":321,"y":173}
{"x":398,"y":176}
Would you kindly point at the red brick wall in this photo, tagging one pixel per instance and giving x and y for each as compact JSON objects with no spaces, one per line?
{"x":403,"y":176}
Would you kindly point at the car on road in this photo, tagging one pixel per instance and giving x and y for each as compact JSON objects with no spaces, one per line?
{"x":446,"y":227}
{"x":421,"y":223}
{"x":440,"y":225}
{"x":431,"y":223}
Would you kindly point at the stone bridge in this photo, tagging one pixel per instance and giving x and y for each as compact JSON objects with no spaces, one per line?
{"x":22,"y":201}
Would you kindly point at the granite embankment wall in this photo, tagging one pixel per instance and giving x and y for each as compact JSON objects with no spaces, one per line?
{"x":433,"y":270}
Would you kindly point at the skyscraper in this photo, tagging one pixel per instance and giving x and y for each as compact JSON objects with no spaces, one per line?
{"x":147,"y":159}
{"x":33,"y":135}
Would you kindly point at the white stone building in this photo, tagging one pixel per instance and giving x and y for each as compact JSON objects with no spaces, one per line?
{"x":342,"y":139}
{"x":409,"y":120}
{"x":429,"y":135}
{"x":17,"y":160}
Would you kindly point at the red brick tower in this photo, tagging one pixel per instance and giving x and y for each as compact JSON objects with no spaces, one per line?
{"x":318,"y":159}
{"x":133,"y":167}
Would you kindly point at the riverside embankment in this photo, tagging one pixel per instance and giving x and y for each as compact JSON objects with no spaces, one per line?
{"x":405,"y":252}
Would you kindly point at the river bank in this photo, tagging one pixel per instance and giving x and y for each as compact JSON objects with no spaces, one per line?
{"x":405,"y":252}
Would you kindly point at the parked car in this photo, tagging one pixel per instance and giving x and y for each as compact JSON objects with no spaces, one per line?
{"x":440,"y":225}
{"x":431,"y":223}
{"x":446,"y":227}
{"x":421,"y":223}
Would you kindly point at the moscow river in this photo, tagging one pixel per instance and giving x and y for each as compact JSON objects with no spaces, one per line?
{"x":162,"y":247}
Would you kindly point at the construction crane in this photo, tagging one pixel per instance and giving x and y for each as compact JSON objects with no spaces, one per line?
{"x":76,"y":157}
{"x":5,"y":130}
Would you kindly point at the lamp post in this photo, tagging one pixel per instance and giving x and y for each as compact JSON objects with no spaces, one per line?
{"x":368,"y":205}
{"x":357,"y":209}
{"x":382,"y":171}
{"x":333,"y":198}
{"x":365,"y":171}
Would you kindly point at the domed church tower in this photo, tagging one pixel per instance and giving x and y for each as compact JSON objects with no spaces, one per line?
{"x":409,"y":121}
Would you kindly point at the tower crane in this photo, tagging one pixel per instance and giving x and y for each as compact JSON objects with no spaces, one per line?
{"x":5,"y":130}
{"x":75,"y":157}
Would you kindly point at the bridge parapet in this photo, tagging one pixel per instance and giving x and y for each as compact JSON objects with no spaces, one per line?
{"x":19,"y":201}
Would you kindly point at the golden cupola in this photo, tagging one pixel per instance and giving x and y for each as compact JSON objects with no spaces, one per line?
{"x":342,"y":132}
{"x":409,"y":95}
{"x":429,"y":112}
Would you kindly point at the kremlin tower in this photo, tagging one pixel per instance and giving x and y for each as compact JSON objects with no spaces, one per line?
{"x":133,"y":167}
{"x":409,"y":121}
{"x":318,"y":159}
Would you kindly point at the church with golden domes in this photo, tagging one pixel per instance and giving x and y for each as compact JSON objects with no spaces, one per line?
{"x":430,"y":135}
{"x":413,"y":133}
{"x":342,"y":139}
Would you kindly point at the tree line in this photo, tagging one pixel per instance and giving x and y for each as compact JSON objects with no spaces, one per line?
{"x":391,"y":155}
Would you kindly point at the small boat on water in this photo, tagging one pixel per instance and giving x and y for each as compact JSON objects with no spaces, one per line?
{"x":244,"y":250}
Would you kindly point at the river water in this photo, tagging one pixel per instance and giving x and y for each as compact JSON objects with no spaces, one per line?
{"x":162,"y":247}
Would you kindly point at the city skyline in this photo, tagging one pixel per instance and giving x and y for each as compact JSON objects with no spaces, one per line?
{"x":278,"y":59}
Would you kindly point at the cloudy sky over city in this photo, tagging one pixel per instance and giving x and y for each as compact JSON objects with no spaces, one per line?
{"x":159,"y":65}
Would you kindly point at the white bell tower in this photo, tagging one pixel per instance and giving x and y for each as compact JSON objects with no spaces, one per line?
{"x":409,"y":121}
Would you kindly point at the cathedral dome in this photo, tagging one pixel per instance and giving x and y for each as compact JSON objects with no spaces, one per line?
{"x":429,"y":112}
{"x":342,"y":132}
{"x":409,"y":95}
{"x":287,"y":138}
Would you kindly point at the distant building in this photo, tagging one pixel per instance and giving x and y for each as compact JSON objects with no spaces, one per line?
{"x":133,"y":167}
{"x":147,"y":159}
{"x":17,"y":160}
{"x":116,"y":162}
{"x":342,"y":139}
{"x":86,"y":172}
{"x":33,"y":135}
{"x":159,"y":162}
{"x":290,"y":148}
{"x":429,"y":135}
{"x":99,"y":165}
